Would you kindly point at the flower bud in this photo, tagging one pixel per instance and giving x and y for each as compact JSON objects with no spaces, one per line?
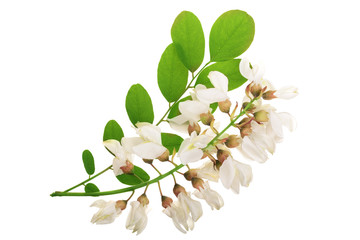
{"x":165,"y":156}
{"x":128,"y":167}
{"x":218,"y":165}
{"x":224,"y":106}
{"x":148,"y":161}
{"x":166,"y":201}
{"x":255,"y":90}
{"x":232,"y":141}
{"x":194,"y":127}
{"x":121,"y":204}
{"x":143,"y":199}
{"x":269,"y":95}
{"x":261,"y":116}
{"x":250,"y":108}
{"x":190,"y":174}
{"x":178,"y":189}
{"x":222,"y":155}
{"x":206,"y":118}
{"x":245,"y":131}
{"x":197,"y":183}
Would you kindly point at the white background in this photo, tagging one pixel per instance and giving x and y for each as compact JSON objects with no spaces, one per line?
{"x":65,"y":68}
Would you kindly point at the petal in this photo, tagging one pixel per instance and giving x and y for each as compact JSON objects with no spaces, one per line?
{"x":184,"y":145}
{"x":149,"y":150}
{"x":244,"y":172}
{"x":227,"y":172}
{"x":113,"y":146}
{"x":192,"y":155}
{"x":149,"y":132}
{"x":181,"y":119}
{"x":129,"y":143}
{"x":98,"y":203}
{"x":192,"y":109}
{"x":117,"y":164}
{"x":208,"y":171}
{"x":219,"y":81}
{"x":287,"y":120}
{"x":287,"y":92}
{"x":211,"y":95}
{"x":276,"y":123}
{"x":245,"y":69}
{"x":251,"y":151}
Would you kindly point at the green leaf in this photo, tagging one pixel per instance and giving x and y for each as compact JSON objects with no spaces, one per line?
{"x":138,"y":105}
{"x":138,"y":176}
{"x":88,"y":161}
{"x":213,"y":107}
{"x":230,"y":36}
{"x":172,"y":75}
{"x":229,"y":68}
{"x":171,"y":141}
{"x":113,"y":131}
{"x":175,"y":109}
{"x":188,"y":37}
{"x":90,"y":188}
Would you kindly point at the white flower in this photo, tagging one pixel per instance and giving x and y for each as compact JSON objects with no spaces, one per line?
{"x":137,"y":218}
{"x":210,"y":196}
{"x":274,"y":127}
{"x":190,"y":205}
{"x":180,"y":217}
{"x":121,"y":155}
{"x":254,"y":74}
{"x":190,"y":113}
{"x":287,"y":92}
{"x":107,"y":213}
{"x":216,"y":94}
{"x":191,"y":148}
{"x":208,"y":171}
{"x":234,"y":173}
{"x":148,"y":145}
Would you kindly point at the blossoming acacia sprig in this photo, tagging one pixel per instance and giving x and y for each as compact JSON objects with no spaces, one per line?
{"x":260,"y":128}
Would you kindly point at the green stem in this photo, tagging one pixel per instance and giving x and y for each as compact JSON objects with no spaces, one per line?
{"x":89,"y":179}
{"x":230,"y":124}
{"x":187,"y":87}
{"x":128,"y":189}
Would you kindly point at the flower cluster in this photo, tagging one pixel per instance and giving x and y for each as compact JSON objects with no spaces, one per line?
{"x":259,"y":128}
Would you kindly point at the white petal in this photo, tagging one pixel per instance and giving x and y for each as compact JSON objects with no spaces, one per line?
{"x":227,"y":172}
{"x":276,"y":123}
{"x":181,"y":119}
{"x":250,"y":150}
{"x":219,"y":81}
{"x":244,"y":172}
{"x":211,"y":95}
{"x":192,"y":155}
{"x":287,"y":120}
{"x":287,"y":92}
{"x":113,"y":146}
{"x":193,"y":205}
{"x":245,"y":69}
{"x":149,"y":132}
{"x":149,"y":150}
{"x":98,"y":203}
{"x":185,"y":144}
{"x":129,"y":143}
{"x":208,"y":171}
{"x":192,"y":109}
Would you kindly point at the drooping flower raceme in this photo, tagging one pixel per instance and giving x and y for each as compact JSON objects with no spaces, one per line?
{"x":148,"y":145}
{"x":122,"y":157}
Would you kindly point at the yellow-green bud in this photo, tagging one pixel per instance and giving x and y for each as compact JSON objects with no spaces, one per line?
{"x":128,"y":167}
{"x":261,"y":116}
{"x":121,"y":204}
{"x":222,"y":155}
{"x":143,"y":199}
{"x":165,"y":156}
{"x":194,"y":127}
{"x":232,"y":141}
{"x":224,"y":106}
{"x":206,"y":118}
{"x":148,"y":161}
{"x":190,"y":174}
{"x":166,"y":201}
{"x":178,"y":189}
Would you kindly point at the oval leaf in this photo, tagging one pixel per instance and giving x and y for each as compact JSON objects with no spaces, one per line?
{"x":188,"y":37}
{"x":229,"y":68}
{"x":171,"y":141}
{"x":138,"y":176}
{"x":172,"y":75}
{"x":88,"y":161}
{"x":175,"y":109}
{"x":138,"y":105}
{"x":90,"y":188}
{"x":113,"y":131}
{"x":230,"y":36}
